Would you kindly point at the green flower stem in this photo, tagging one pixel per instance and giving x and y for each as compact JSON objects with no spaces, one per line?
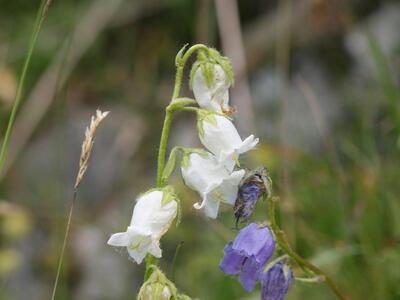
{"x":180,"y":62}
{"x":192,"y":109}
{"x":284,"y":244}
{"x":44,"y":6}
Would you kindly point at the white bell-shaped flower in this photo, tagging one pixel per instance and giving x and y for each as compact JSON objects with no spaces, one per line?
{"x":214,"y":95}
{"x":219,"y":135}
{"x":211,"y":180}
{"x":152,"y":216}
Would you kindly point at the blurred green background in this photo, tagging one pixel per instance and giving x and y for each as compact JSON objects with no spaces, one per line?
{"x":321,"y":91}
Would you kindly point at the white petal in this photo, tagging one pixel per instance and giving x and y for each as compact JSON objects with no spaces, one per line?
{"x":249,"y":143}
{"x":209,"y":205}
{"x":221,"y":136}
{"x":149,"y":213}
{"x":203,"y":173}
{"x":215,"y":97}
{"x":140,"y":241}
{"x":145,"y":206}
{"x":138,"y":256}
{"x":229,"y":188}
{"x":223,"y":140}
{"x":155,"y":249}
{"x":119,"y":239}
{"x":222,"y":189}
{"x":211,"y":208}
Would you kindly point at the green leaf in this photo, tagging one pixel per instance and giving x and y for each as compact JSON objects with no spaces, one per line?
{"x":168,"y":195}
{"x":171,"y":164}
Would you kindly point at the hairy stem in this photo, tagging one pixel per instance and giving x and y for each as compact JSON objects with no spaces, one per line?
{"x":180,"y":65}
{"x":44,"y":6}
{"x":284,"y":244}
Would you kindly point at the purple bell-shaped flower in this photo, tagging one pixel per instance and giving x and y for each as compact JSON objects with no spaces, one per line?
{"x":248,"y":253}
{"x":275,"y":281}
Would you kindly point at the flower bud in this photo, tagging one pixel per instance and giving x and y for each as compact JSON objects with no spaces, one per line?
{"x":157,"y":287}
{"x":275,"y":281}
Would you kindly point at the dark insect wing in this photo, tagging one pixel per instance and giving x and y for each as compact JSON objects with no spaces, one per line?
{"x":255,"y":184}
{"x":246,"y":200}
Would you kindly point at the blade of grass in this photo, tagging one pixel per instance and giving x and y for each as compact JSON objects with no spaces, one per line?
{"x":390,"y":90}
{"x":42,"y":12}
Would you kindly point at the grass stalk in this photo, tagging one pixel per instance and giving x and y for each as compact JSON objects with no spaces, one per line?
{"x":42,"y":12}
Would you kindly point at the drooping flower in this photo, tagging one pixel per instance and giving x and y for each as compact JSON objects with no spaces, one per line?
{"x":219,"y":135}
{"x":275,"y":281}
{"x":210,"y":78}
{"x":214,"y":95}
{"x":202,"y":173}
{"x":152,"y":216}
{"x":248,"y":253}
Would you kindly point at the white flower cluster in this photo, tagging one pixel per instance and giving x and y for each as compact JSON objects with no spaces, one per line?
{"x":212,"y":174}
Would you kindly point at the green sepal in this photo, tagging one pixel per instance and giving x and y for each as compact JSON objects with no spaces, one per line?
{"x":179,"y":55}
{"x":168,"y":195}
{"x":205,"y":116}
{"x":186,"y":155}
{"x":171,"y":164}
{"x":193,"y":70}
{"x":206,"y":61}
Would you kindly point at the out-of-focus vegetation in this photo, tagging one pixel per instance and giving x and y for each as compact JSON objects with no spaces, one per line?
{"x":328,"y":118}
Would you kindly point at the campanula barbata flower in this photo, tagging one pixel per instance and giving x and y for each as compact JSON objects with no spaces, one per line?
{"x":247,"y":255}
{"x":275,"y":281}
{"x":151,"y":218}
{"x":213,"y":96}
{"x":204,"y":174}
{"x":210,"y":78}
{"x":220,"y":137}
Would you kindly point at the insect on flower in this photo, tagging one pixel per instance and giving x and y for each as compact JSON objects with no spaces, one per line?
{"x":255,"y":184}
